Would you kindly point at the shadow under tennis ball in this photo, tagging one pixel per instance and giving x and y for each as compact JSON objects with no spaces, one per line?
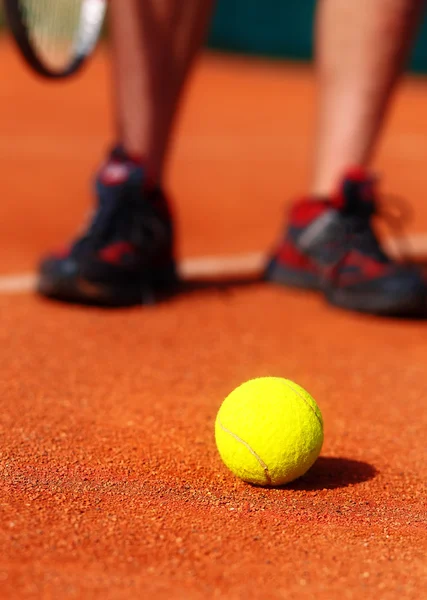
{"x":329,"y":472}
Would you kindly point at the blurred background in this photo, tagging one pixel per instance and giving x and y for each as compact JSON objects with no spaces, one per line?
{"x":277,"y":29}
{"x":281,"y":29}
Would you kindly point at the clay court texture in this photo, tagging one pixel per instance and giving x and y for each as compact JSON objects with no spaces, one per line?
{"x":111,"y":484}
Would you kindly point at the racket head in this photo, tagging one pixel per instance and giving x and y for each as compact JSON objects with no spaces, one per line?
{"x":56,"y":43}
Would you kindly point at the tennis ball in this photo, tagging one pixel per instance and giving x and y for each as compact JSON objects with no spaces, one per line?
{"x":269,"y":431}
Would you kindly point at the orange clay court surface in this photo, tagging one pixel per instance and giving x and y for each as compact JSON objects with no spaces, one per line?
{"x":111,"y":485}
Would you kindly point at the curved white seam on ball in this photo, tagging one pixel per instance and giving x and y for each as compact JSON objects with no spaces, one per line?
{"x":305,"y":401}
{"x":259,"y":459}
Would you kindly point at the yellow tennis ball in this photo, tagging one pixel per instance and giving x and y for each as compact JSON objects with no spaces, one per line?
{"x":269,"y":431}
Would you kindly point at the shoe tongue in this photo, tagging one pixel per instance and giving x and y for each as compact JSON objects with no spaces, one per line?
{"x":121,"y":167}
{"x":356,"y":193}
{"x":114,"y":173}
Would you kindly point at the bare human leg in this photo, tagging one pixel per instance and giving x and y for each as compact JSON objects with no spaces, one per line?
{"x":155,"y":43}
{"x":361,"y":52}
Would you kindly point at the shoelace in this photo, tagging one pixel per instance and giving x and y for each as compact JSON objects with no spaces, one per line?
{"x":99,"y":224}
{"x":133,"y":218}
{"x":395,"y":213}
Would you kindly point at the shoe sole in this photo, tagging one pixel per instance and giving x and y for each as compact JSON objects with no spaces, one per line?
{"x":150,"y":289}
{"x":404,"y":304}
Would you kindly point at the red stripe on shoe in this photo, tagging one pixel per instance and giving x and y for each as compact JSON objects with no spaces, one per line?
{"x":114,"y":253}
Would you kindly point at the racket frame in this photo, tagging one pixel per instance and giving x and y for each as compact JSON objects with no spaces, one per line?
{"x":86,"y":38}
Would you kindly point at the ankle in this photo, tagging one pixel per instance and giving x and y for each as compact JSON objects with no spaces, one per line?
{"x":325,"y":184}
{"x":121,"y":154}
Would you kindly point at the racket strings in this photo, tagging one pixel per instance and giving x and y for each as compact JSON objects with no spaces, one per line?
{"x":53,"y":27}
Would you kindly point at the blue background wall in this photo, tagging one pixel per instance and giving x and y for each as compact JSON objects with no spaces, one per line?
{"x":279,"y":28}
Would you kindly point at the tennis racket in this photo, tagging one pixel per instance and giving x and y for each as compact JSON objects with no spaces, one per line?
{"x":56,"y":37}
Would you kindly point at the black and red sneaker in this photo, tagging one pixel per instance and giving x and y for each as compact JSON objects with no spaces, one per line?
{"x":125,"y":256}
{"x":330,"y":246}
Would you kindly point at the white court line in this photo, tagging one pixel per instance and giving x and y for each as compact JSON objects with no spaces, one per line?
{"x":17,"y":284}
{"x":204,"y":266}
{"x":218,"y":266}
